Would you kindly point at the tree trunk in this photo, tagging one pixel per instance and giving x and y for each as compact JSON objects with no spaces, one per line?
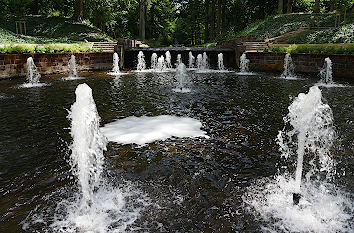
{"x":218,"y":31}
{"x":207,"y":19}
{"x":317,"y":6}
{"x":280,"y":6}
{"x":142,"y":19}
{"x":212,"y":27}
{"x":290,"y":7}
{"x":223,"y":24}
{"x":333,"y":5}
{"x":79,"y":10}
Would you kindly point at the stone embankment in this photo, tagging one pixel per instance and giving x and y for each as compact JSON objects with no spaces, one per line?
{"x":14,"y":65}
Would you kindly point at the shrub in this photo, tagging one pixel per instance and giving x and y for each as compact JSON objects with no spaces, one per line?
{"x":316,"y":48}
{"x":46,"y":48}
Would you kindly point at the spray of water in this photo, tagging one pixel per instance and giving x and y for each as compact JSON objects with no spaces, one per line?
{"x":221,"y":61}
{"x":182,"y":78}
{"x":326,"y":72}
{"x":179,"y":60}
{"x":97,"y":207}
{"x":191,"y":60}
{"x":289,"y":67}
{"x":141,"y":61}
{"x":244,"y":64}
{"x":202,"y":62}
{"x":32,"y":74}
{"x":154,"y":61}
{"x":115,"y":69}
{"x":323,"y":207}
{"x":168,"y":60}
{"x":72,"y":67}
{"x":161,"y":64}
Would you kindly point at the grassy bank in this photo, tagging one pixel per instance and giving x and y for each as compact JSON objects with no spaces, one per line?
{"x":314,"y":48}
{"x":280,"y":24}
{"x":42,"y":29}
{"x":50,"y":48}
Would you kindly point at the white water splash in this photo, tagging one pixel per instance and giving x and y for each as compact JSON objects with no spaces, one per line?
{"x":142,"y":130}
{"x":326,"y":72}
{"x":161,"y":64}
{"x":154,"y":61}
{"x":141,"y":61}
{"x":191,"y":60}
{"x":32,"y":75}
{"x":323,"y":207}
{"x":168,"y":60}
{"x":289,"y":68}
{"x":182,"y":79}
{"x":221,"y":61}
{"x":179,"y":60}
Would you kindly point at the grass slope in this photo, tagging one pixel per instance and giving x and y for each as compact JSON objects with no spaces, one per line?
{"x":42,"y":29}
{"x":279,"y":24}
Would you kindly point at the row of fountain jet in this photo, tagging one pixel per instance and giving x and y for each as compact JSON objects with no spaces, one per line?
{"x":163,"y":63}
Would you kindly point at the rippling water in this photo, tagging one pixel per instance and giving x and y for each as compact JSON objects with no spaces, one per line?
{"x":192,"y":185}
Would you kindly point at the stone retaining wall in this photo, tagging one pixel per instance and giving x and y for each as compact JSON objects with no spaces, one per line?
{"x":343,"y":65}
{"x":14,"y":65}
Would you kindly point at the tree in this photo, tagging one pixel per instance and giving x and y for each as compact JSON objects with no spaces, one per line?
{"x":206,"y":24}
{"x":290,"y":6}
{"x":78,"y":10}
{"x":142,"y":25}
{"x":333,"y":5}
{"x":280,"y":6}
{"x":219,"y":18}
{"x":317,"y":6}
{"x":212,"y":27}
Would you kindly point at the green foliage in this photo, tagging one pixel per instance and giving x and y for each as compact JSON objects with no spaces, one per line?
{"x":42,"y":29}
{"x":46,"y":48}
{"x":316,"y":48}
{"x":279,"y":24}
{"x":343,"y":34}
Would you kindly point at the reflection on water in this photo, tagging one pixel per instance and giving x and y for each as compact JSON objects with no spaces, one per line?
{"x":190,"y":184}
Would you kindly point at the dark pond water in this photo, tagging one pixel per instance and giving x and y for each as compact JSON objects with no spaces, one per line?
{"x":193,"y":185}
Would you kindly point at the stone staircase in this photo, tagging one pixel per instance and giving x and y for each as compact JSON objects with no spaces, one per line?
{"x":254,"y":46}
{"x":105,"y":46}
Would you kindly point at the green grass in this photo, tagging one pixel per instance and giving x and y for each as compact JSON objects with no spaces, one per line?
{"x":343,"y":34}
{"x":314,"y":48}
{"x":279,"y":24}
{"x":54,"y":29}
{"x":46,"y":48}
{"x":207,"y":45}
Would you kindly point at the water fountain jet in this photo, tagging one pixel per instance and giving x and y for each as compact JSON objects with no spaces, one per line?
{"x":32,"y":74}
{"x":191,"y":60}
{"x":244,"y":64}
{"x":221,"y":61}
{"x":179,"y":60}
{"x":182,"y":79}
{"x":289,"y":67}
{"x":154,"y":61}
{"x":326,"y":72}
{"x":141,"y":61}
{"x":168,"y":60}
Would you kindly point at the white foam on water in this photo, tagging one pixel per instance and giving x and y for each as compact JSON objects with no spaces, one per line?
{"x":181,"y":90}
{"x":322,"y":207}
{"x":30,"y":85}
{"x":71,"y":78}
{"x":246,"y":73}
{"x":330,"y":85}
{"x":142,"y":130}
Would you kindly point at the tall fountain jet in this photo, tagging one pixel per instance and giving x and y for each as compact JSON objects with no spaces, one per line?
{"x":88,"y":143}
{"x":115,"y":69}
{"x":72,"y":67}
{"x":221,"y":61}
{"x":153,"y":61}
{"x":168,"y":60}
{"x":312,"y":123}
{"x":289,"y":67}
{"x":182,"y":78}
{"x":179,"y":59}
{"x":191,"y":60}
{"x":32,"y":74}
{"x":141,"y":62}
{"x":326,"y":72}
{"x":202,"y":62}
{"x":161,"y":64}
{"x":244,"y":64}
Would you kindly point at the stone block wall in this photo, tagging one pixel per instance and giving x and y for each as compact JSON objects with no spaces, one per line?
{"x":14,"y":65}
{"x":342,"y":65}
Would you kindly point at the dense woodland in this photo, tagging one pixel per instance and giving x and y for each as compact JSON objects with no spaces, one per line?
{"x":186,"y":22}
